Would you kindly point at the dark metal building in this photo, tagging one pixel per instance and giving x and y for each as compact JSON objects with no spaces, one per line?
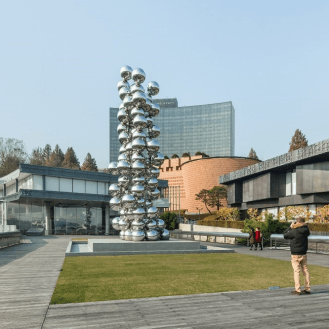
{"x":296,"y":178}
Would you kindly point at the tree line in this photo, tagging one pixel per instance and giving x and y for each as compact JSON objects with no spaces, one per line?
{"x":13,"y":152}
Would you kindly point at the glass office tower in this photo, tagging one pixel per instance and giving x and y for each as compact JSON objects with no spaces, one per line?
{"x":206,"y":128}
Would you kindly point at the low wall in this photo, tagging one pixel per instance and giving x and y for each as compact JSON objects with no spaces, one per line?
{"x":8,"y":239}
{"x":203,"y":228}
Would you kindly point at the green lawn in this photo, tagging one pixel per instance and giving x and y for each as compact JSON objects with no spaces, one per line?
{"x":88,"y":279}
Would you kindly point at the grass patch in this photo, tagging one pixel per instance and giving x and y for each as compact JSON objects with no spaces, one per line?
{"x":79,"y":239}
{"x":89,"y":279}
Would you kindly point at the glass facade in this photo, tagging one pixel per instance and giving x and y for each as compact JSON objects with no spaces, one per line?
{"x":206,"y":128}
{"x":64,"y":220}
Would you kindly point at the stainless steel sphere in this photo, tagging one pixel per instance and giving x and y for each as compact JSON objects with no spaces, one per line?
{"x":138,"y":157}
{"x":152,"y":235}
{"x":155,"y":109}
{"x":152,"y":224}
{"x":121,"y":128}
{"x":139,"y":179}
{"x":135,"y":88}
{"x":122,"y":115}
{"x":113,"y":168}
{"x":123,"y":92}
{"x":155,"y":131}
{"x":158,"y":159}
{"x":140,"y":122}
{"x":153,"y":145}
{"x":115,"y":203}
{"x":152,"y":212}
{"x":128,"y":235}
{"x":161,"y":223}
{"x":152,"y":182}
{"x":165,"y":235}
{"x":114,"y":189}
{"x":126,"y":72}
{"x":122,"y":224}
{"x":138,"y":167}
{"x":139,"y":99}
{"x":122,"y":84}
{"x":122,"y":149}
{"x":138,"y":144}
{"x":155,"y":172}
{"x":137,"y":224}
{"x":155,"y":193}
{"x":123,"y":167}
{"x":122,"y":157}
{"x":138,"y":235}
{"x":138,"y":190}
{"x":139,"y":134}
{"x":123,"y":137}
{"x":153,"y":88}
{"x":136,"y":111}
{"x":138,"y":76}
{"x":127,"y":102}
{"x":123,"y":181}
{"x":115,"y":223}
{"x":122,"y":235}
{"x":128,"y":200}
{"x":139,"y":213}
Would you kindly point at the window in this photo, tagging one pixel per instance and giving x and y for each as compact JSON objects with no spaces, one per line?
{"x":79,"y":186}
{"x":65,"y":185}
{"x":37,"y":182}
{"x":52,"y":184}
{"x":91,"y":187}
{"x":288,"y":183}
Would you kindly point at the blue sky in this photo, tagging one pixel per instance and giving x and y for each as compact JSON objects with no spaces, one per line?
{"x":60,"y":63}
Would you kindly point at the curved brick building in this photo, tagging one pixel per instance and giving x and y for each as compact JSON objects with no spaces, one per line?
{"x":196,"y":173}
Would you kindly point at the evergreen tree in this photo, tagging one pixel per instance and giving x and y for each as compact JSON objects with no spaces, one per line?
{"x":70,"y":159}
{"x":56,"y":158}
{"x":298,"y":141}
{"x":89,"y":164}
{"x":46,"y":153}
{"x":174,"y":156}
{"x":37,"y":157}
{"x":253,"y":154}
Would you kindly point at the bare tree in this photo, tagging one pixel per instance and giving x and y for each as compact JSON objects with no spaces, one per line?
{"x":12,"y":153}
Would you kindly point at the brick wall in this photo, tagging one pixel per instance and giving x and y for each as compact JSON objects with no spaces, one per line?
{"x":197,"y":173}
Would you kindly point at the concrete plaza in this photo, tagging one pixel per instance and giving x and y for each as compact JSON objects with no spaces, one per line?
{"x":29,"y":271}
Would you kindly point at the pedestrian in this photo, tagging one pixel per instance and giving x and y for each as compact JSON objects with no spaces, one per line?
{"x":258,"y":238}
{"x":298,"y":233}
{"x":251,"y":237}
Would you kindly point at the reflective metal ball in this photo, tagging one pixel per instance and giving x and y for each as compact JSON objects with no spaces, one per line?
{"x":138,"y":235}
{"x":138,"y":76}
{"x":153,"y":88}
{"x":126,"y":72}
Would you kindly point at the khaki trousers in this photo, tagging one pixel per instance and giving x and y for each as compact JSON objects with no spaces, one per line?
{"x":299,"y":262}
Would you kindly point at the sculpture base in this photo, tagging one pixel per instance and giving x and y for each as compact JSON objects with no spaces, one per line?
{"x":105,"y":247}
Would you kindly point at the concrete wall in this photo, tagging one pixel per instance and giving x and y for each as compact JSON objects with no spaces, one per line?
{"x":203,"y":228}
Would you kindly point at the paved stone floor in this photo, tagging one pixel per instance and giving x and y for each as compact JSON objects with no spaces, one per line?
{"x":28,"y":275}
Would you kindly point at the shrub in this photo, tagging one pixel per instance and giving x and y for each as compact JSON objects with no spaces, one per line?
{"x":225,"y":213}
{"x":322,"y":214}
{"x":170,"y":220}
{"x":267,"y":227}
{"x":291,"y":212}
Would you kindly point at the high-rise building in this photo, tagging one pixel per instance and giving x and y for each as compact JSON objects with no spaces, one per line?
{"x":207,"y":128}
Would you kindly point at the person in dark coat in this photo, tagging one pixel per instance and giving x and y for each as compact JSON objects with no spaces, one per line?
{"x":298,"y":233}
{"x":251,"y":237}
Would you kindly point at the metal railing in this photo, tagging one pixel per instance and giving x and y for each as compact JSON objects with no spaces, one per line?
{"x":214,"y":234}
{"x":312,"y":238}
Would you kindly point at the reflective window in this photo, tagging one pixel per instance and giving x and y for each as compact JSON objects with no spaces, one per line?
{"x":37,"y":182}
{"x":52,"y":183}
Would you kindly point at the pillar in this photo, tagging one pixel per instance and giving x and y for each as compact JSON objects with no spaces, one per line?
{"x":107,"y":220}
{"x":46,"y":211}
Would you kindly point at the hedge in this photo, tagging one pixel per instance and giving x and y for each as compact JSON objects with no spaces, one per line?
{"x":316,"y":227}
{"x":223,"y":223}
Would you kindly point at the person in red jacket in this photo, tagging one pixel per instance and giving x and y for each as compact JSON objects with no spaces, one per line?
{"x":258,"y":238}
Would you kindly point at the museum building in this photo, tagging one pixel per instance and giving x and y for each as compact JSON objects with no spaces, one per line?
{"x":55,"y":200}
{"x":298,"y":178}
{"x":187,"y":176}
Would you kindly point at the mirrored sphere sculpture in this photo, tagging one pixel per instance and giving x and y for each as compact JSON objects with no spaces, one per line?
{"x":136,"y":189}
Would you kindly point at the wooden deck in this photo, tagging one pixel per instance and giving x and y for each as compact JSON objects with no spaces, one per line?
{"x":28,"y":275}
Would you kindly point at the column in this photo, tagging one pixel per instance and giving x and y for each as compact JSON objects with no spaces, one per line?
{"x":107,"y":220}
{"x":46,"y":211}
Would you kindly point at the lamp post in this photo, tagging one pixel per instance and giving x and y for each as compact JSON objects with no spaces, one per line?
{"x":199,"y":211}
